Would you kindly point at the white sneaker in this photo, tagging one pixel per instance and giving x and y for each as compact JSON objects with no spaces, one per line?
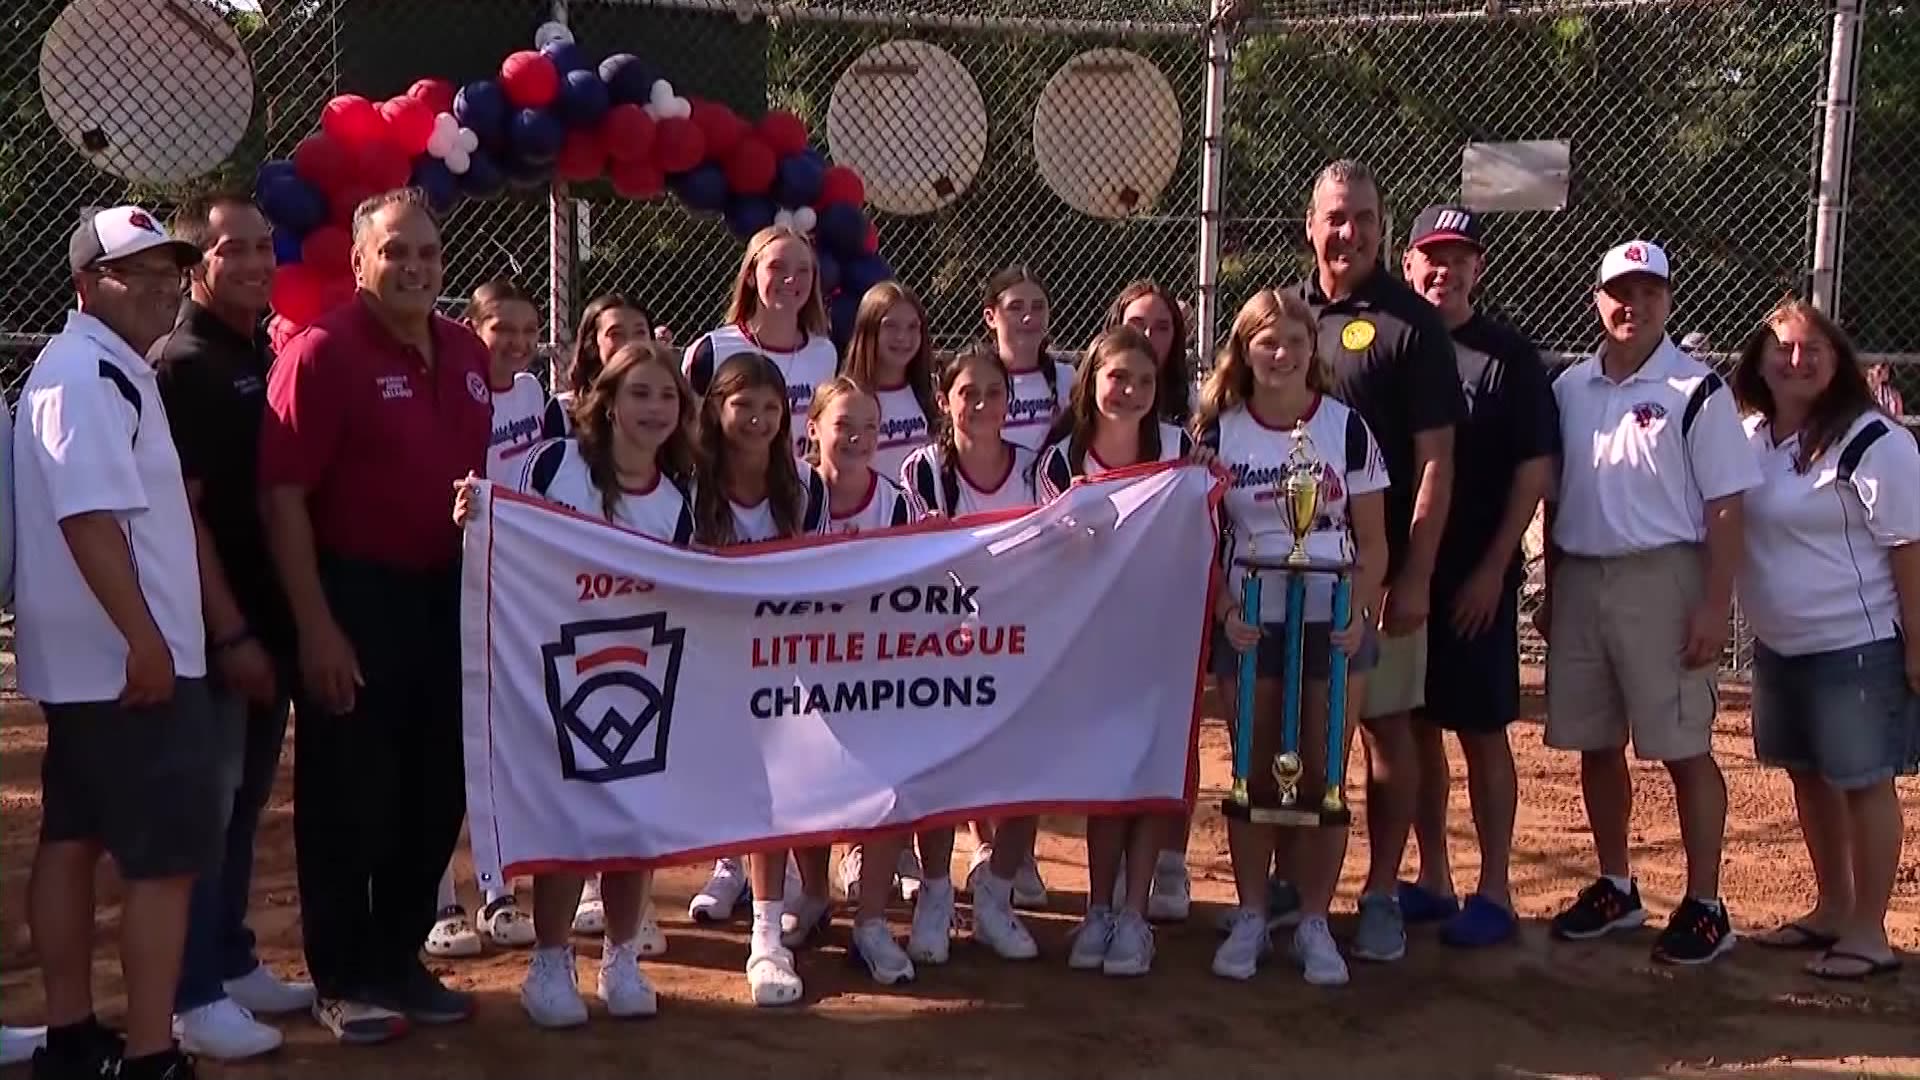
{"x":800,"y":922}
{"x":1130,"y":950}
{"x":551,"y":992}
{"x":886,"y":961}
{"x":261,"y":993}
{"x":847,"y":874}
{"x":1171,"y":899}
{"x":721,"y":894}
{"x":224,"y":1031}
{"x":1319,"y":957}
{"x":651,"y":940}
{"x":1028,"y":890}
{"x":930,"y":939}
{"x":1239,"y":956}
{"x":1090,"y":940}
{"x":451,"y":938}
{"x":503,"y":923}
{"x":622,"y":985}
{"x":907,"y":873}
{"x":772,"y":980}
{"x":977,"y":866}
{"x":590,"y":918}
{"x":996,"y":926}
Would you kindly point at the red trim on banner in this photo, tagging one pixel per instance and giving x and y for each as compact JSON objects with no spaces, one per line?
{"x":492,"y":780}
{"x":612,"y":654}
{"x":1081,"y":808}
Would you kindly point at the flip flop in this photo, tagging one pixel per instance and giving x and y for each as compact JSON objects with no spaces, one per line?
{"x":1874,"y":967}
{"x":1794,"y":937}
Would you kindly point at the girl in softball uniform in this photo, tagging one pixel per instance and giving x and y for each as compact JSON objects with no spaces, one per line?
{"x":1017,"y":317}
{"x":629,"y":463}
{"x":750,"y":488}
{"x":891,"y":356}
{"x":1269,"y":379}
{"x":610,"y":321}
{"x":776,"y":312}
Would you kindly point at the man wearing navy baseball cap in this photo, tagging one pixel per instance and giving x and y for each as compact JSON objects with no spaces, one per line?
{"x":1503,"y":463}
{"x":113,"y":648}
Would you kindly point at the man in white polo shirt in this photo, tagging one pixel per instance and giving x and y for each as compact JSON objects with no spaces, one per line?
{"x":1646,"y":538}
{"x":111,"y":644}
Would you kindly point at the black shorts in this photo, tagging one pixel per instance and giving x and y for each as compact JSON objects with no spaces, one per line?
{"x":1271,"y":657}
{"x":153,"y":786}
{"x":1473,"y":684}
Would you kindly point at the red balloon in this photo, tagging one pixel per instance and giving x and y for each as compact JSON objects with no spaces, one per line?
{"x":784,"y":132}
{"x":383,"y":167}
{"x":437,"y":93}
{"x":722,"y":127}
{"x":872,"y":243}
{"x":530,"y":79}
{"x":352,"y":121}
{"x":678,"y":145}
{"x":628,"y":133}
{"x":297,"y":294}
{"x":750,"y":168}
{"x":345,"y":199}
{"x":322,"y":161}
{"x":842,"y":185}
{"x":583,"y":156}
{"x":409,"y":124}
{"x":638,"y":179}
{"x":327,"y":249}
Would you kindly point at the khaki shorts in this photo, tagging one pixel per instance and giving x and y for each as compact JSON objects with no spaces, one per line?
{"x":1399,"y":682}
{"x":1613,"y":659}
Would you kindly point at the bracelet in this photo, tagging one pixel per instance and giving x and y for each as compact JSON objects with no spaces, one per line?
{"x":239,"y":637}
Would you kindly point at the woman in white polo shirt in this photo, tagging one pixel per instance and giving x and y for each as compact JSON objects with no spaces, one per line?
{"x":1832,"y":589}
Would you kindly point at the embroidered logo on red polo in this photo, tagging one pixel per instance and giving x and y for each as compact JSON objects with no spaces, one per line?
{"x":477,"y":387}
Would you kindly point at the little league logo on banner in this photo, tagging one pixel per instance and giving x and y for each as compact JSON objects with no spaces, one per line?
{"x":630,"y":704}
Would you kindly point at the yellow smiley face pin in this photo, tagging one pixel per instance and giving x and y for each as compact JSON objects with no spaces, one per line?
{"x":1357,"y":335}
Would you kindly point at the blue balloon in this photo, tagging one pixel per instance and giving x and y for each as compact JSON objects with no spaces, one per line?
{"x":527,"y":174}
{"x":270,"y":171}
{"x":536,"y":136}
{"x":866,"y":272}
{"x":827,"y":268}
{"x":292,"y":204}
{"x":432,"y":176}
{"x":844,"y":309}
{"x":703,"y":187}
{"x":843,"y":228}
{"x":286,"y":247}
{"x":566,"y":56}
{"x":748,"y":214}
{"x":482,"y":179}
{"x":583,"y":99}
{"x":482,"y":106}
{"x":798,"y":182}
{"x":629,"y":80}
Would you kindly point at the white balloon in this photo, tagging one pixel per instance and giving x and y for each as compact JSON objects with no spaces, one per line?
{"x":681,"y":109}
{"x":458,"y":162}
{"x":784,"y":219}
{"x":661,"y":94}
{"x":805,"y":219}
{"x":653,"y":111}
{"x":466,"y":141}
{"x":439,"y":142}
{"x":446,"y":122}
{"x":551,"y":32}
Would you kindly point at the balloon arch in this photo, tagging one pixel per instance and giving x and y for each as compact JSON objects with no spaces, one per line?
{"x":550,"y":114}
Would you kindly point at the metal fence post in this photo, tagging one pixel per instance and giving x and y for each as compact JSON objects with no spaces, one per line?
{"x":560,"y":252}
{"x":1836,"y":154}
{"x":1213,"y":150}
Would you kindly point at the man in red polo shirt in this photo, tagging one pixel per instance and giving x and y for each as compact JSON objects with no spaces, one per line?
{"x":373,"y":413}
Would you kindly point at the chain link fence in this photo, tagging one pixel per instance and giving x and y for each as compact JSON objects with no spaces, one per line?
{"x":1067,"y":135}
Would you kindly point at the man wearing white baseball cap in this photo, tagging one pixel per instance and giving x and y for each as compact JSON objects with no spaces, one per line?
{"x":138,"y":765}
{"x":1646,"y":535}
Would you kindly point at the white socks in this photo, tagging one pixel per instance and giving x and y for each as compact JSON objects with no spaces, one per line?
{"x":766,"y":925}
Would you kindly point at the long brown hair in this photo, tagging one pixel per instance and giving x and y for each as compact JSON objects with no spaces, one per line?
{"x":997,"y":286}
{"x":491,"y":296}
{"x":712,"y":509}
{"x":863,"y":351}
{"x":746,"y":296}
{"x":1231,"y":384}
{"x":1081,"y":418}
{"x":824,"y":396}
{"x":1176,"y":374}
{"x":595,"y":431}
{"x":1847,"y":394}
{"x":946,"y":439}
{"x":584,"y":369}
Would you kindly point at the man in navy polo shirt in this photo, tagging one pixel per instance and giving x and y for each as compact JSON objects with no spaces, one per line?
{"x":374,"y":412}
{"x":1504,"y":453}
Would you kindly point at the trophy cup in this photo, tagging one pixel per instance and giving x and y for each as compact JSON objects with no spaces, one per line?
{"x":1297,"y":490}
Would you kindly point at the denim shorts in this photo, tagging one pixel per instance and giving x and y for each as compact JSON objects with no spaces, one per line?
{"x":1846,"y":715}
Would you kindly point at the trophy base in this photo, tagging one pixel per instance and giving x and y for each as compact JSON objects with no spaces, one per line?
{"x":1297,"y":816}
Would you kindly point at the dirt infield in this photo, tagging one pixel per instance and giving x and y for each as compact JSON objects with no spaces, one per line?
{"x":1538,"y":1008}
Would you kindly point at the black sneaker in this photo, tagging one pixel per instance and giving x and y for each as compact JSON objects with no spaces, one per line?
{"x":172,"y":1065}
{"x":100,"y":1058}
{"x":1695,"y":934}
{"x":1601,"y":909}
{"x":421,"y":997}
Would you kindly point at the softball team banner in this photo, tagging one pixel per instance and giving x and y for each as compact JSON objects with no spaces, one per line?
{"x":629,"y":704}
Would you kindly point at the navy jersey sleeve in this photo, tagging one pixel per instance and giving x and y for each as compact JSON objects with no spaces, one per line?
{"x":1186,"y":444}
{"x":553,"y":420}
{"x":1056,"y":473}
{"x":700,"y":365}
{"x":902,"y":512}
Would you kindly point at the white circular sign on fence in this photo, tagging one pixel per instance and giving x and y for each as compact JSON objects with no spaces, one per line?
{"x":909,"y":118}
{"x":152,"y":91}
{"x":1106,"y":133}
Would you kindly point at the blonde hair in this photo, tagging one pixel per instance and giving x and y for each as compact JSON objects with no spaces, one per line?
{"x":746,"y":296}
{"x":824,"y":395}
{"x":1231,"y":383}
{"x":594,"y":429}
